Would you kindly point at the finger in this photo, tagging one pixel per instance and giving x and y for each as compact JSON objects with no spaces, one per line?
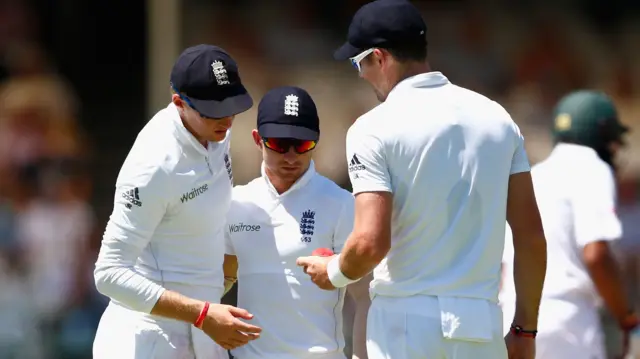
{"x":237,"y":343}
{"x":226,"y":345}
{"x":303,"y":261}
{"x":238,"y":338}
{"x":245,"y":327}
{"x":239,"y":312}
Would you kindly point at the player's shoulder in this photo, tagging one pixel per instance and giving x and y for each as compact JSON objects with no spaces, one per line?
{"x":371,"y":124}
{"x":154,"y":153}
{"x":329,"y":189}
{"x":248,"y":192}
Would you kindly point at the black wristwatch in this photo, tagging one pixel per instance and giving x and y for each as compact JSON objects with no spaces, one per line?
{"x":519,"y":332}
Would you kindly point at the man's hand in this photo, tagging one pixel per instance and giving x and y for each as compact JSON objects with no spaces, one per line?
{"x":627,"y":325}
{"x":316,"y":268}
{"x":224,"y":327}
{"x":519,"y":347}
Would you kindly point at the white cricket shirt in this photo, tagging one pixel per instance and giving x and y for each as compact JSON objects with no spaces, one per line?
{"x":166,"y":229}
{"x":446,"y":154}
{"x":576,"y":195}
{"x":268,"y":232}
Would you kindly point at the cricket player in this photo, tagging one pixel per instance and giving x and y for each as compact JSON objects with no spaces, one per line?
{"x":435,"y":170}
{"x":576,"y":192}
{"x":163,"y":248}
{"x":288,"y":212}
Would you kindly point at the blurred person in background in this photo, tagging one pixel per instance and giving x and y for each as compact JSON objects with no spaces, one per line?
{"x":55,"y":233}
{"x":162,"y":252}
{"x":290,"y":211}
{"x":436,"y":171}
{"x":576,"y":192}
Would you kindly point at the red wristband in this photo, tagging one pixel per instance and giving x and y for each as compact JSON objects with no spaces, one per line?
{"x":203,"y":314}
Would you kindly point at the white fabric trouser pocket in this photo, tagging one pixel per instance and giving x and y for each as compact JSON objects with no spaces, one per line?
{"x":411,"y":328}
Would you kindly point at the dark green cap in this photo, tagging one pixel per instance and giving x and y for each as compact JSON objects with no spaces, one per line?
{"x":587,"y":118}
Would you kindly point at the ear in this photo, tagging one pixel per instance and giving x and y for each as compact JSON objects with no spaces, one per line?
{"x":177,"y":101}
{"x":379,"y":55}
{"x":257,"y":139}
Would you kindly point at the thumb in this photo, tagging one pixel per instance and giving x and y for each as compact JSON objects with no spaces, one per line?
{"x":240,"y":313}
{"x":303,"y":261}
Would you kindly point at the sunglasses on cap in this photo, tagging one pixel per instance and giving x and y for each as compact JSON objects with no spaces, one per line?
{"x":282,"y":145}
{"x":356,"y":60}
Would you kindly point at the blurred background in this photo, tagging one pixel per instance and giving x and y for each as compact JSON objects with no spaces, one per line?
{"x":79,"y":79}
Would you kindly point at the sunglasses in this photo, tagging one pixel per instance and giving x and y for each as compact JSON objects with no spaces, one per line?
{"x":282,"y":145}
{"x":356,"y":60}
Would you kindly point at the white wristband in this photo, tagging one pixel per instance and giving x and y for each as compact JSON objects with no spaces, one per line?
{"x":337,"y":278}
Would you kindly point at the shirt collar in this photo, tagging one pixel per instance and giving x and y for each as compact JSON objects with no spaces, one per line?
{"x":427,"y":79}
{"x":183,"y":135}
{"x":301,"y":182}
{"x":573,"y":151}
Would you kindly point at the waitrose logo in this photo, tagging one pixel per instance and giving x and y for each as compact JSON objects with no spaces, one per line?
{"x":194,"y":193}
{"x":241,"y":227}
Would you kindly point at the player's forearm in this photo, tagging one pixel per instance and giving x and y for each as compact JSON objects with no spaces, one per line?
{"x":230,"y":270}
{"x":606,"y":277}
{"x":125,"y":285}
{"x":529,"y":269}
{"x":177,"y":306}
{"x":116,"y":277}
{"x":360,"y":256}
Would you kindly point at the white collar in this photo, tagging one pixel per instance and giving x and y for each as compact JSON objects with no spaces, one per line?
{"x":301,"y":182}
{"x":573,"y":150}
{"x":183,"y":135}
{"x":427,"y":79}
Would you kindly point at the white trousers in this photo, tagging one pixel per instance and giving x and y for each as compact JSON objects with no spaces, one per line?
{"x":126,"y":334}
{"x":403,"y":328}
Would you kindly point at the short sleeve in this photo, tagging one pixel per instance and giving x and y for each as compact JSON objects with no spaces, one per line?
{"x":344,"y":225}
{"x":594,"y":209}
{"x":367,"y":165}
{"x":140,"y":203}
{"x":520,"y":160}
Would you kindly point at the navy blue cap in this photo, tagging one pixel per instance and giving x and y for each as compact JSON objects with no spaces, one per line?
{"x":288,"y":112}
{"x":383,"y":24}
{"x":208,"y":78}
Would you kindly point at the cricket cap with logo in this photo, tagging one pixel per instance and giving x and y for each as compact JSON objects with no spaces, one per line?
{"x":384,"y":24}
{"x":288,"y":112}
{"x":587,"y":118}
{"x":208,"y":78}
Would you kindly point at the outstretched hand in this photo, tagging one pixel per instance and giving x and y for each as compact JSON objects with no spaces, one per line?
{"x":316,"y":268}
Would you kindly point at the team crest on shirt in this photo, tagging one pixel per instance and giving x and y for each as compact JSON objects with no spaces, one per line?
{"x":227,"y":165}
{"x":307,"y":225}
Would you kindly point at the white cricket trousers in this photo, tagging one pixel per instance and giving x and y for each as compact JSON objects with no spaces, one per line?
{"x":126,"y":334}
{"x":411,"y":328}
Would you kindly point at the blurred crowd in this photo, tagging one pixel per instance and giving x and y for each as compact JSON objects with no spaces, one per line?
{"x":48,"y":307}
{"x":521,"y":56}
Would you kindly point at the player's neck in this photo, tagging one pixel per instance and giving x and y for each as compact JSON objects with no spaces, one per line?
{"x":281,"y":185}
{"x":413,"y":69}
{"x":202,"y":141}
